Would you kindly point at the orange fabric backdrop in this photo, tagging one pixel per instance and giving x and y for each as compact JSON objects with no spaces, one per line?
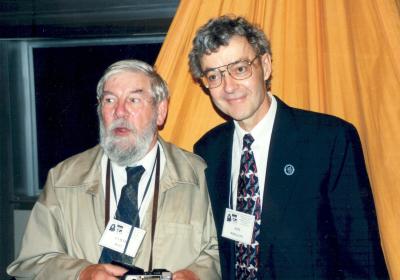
{"x":339,"y":57}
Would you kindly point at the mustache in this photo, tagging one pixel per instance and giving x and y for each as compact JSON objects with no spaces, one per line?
{"x":121,"y":123}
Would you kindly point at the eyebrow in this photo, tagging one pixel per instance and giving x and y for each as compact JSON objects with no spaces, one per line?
{"x":139,"y":90}
{"x":215,"y":68}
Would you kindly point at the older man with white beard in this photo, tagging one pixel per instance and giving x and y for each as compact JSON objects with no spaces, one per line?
{"x":168,"y":222}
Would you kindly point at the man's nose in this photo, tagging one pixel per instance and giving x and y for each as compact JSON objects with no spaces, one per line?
{"x":229,"y":83}
{"x":121,"y":109}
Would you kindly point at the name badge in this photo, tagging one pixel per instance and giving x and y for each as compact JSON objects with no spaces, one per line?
{"x":238,"y":226}
{"x":135,"y":241}
{"x":117,"y":236}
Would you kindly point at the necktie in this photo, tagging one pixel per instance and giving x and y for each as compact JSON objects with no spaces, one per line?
{"x":127,"y":212}
{"x":248,"y":201}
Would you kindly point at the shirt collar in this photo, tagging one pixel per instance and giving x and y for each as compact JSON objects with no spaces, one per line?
{"x":148,"y":160}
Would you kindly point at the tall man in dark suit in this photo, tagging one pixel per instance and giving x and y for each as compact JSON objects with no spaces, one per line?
{"x":289,"y":188}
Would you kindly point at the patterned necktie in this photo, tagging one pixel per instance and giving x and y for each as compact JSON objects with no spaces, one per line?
{"x":248,"y":201}
{"x":127,"y":212}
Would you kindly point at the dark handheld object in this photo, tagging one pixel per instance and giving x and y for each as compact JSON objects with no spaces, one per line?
{"x":136,"y":273}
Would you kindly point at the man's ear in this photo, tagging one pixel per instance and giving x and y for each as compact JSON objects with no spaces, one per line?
{"x":266,"y":65}
{"x":162,"y":110}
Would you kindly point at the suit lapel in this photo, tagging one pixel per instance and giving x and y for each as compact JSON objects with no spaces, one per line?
{"x":219,"y":173}
{"x":218,"y":176}
{"x":283,"y":159}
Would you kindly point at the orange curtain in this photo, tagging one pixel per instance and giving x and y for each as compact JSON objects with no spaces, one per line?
{"x":339,"y":57}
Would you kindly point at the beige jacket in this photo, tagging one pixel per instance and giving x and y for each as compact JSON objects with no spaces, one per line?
{"x":67,"y":221}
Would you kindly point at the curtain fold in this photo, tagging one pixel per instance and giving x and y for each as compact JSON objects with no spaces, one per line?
{"x":339,"y":57}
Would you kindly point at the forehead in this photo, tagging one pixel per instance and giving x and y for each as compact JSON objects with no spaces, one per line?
{"x":128,"y":80}
{"x":238,"y":48}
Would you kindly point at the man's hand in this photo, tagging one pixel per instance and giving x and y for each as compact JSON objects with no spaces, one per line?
{"x":184,"y":274}
{"x":102,"y":272}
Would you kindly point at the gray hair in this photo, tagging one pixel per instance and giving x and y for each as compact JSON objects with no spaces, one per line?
{"x":159,"y":87}
{"x":218,"y":32}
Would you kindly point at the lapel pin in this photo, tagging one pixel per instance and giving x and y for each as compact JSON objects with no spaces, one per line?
{"x":289,"y":169}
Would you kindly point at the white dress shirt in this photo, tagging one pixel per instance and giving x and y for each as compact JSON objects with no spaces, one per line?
{"x":260,"y":147}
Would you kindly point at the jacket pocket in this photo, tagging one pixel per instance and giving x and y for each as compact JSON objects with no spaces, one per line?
{"x":177,"y":245}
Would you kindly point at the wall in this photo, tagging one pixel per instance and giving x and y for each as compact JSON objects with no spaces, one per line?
{"x":90,"y":18}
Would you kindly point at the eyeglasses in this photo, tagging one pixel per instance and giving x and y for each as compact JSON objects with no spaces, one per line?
{"x":239,"y":70}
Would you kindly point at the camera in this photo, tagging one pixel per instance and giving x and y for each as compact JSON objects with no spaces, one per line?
{"x":156,"y":274}
{"x":136,"y":273}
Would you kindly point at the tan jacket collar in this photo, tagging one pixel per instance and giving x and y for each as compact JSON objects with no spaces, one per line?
{"x":178,"y":170}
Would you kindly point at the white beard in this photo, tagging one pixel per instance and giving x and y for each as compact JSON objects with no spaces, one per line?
{"x":123,"y":150}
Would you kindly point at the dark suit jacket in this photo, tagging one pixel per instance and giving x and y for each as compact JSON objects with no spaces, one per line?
{"x":320,"y":222}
